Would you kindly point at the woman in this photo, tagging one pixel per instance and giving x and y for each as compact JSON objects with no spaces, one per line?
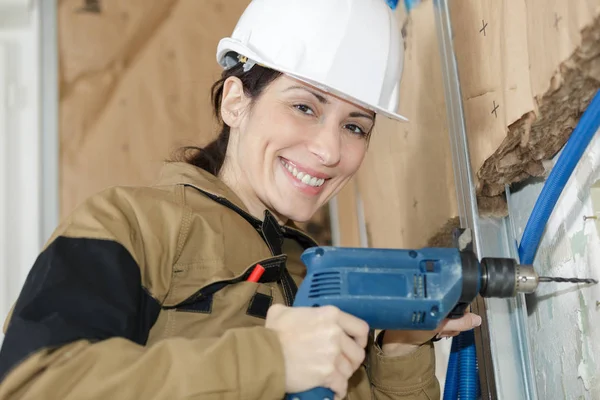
{"x":144,"y":292}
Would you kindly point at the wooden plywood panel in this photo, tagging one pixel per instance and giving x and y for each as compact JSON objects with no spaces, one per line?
{"x":135,"y":81}
{"x":492,"y":56}
{"x":406,"y":182}
{"x":348,"y":217}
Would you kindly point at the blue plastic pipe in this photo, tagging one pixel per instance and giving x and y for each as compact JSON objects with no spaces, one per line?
{"x":452,"y":374}
{"x":462,"y":376}
{"x":462,"y":365}
{"x":467,"y":360}
{"x":580,"y":138}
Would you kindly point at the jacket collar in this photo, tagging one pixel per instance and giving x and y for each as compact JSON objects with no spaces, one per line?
{"x":181,"y":173}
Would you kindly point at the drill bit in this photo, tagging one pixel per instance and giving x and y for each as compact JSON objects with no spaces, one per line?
{"x":570,"y":280}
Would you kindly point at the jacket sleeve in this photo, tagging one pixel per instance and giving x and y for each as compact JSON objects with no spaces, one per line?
{"x":410,"y":377}
{"x":80,"y":325}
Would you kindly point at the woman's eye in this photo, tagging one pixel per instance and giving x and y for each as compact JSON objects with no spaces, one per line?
{"x":304,"y":109}
{"x":355,"y":129}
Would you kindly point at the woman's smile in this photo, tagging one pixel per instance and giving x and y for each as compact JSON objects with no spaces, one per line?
{"x":306,"y":180}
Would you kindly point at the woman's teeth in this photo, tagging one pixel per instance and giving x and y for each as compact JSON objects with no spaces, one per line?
{"x":303,"y":177}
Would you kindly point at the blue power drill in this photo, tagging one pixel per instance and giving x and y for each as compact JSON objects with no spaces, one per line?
{"x":404,"y":289}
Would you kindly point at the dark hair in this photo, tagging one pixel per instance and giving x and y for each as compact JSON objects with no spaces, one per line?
{"x":211,"y":157}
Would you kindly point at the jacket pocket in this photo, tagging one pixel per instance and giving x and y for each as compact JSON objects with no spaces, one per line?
{"x":202,"y":300}
{"x":261,"y":298}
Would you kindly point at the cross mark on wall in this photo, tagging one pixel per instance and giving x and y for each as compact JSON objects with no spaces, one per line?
{"x":484,"y":25}
{"x":557,"y":19}
{"x":495,"y":110}
{"x":91,"y":6}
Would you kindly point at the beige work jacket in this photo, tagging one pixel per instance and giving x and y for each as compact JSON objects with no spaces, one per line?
{"x":141,"y":293}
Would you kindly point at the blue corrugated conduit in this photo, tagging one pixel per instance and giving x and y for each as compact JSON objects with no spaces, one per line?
{"x":451,"y":385}
{"x":462,"y":365}
{"x":468,"y":383}
{"x":462,"y":376}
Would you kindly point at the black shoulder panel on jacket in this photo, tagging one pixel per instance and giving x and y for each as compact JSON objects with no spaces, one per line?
{"x":78,"y":289}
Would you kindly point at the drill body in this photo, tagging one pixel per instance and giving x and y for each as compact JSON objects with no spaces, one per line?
{"x":387,"y":288}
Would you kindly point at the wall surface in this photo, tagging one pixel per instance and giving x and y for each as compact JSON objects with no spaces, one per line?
{"x":564,"y":319}
{"x":406,"y":183}
{"x":135,"y":79}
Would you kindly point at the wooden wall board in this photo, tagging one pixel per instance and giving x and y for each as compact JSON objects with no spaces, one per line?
{"x":135,"y":84}
{"x":407,"y":182}
{"x":348,"y":215}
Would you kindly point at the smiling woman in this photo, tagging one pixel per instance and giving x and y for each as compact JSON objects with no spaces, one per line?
{"x":144,"y":292}
{"x":291,"y":127}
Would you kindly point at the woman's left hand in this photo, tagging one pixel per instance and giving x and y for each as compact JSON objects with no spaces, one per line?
{"x":397,"y":343}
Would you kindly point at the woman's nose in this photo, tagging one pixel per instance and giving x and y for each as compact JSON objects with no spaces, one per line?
{"x":326,"y":145}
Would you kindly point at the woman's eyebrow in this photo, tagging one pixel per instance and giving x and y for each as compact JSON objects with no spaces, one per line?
{"x":319,"y":97}
{"x":355,"y":114}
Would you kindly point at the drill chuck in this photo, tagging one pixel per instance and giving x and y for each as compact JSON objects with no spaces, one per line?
{"x":495,"y":277}
{"x":503,"y":277}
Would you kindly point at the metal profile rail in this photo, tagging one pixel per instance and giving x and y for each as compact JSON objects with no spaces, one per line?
{"x":502,"y":342}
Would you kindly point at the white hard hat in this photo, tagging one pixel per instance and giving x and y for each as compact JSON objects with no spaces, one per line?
{"x":350,"y":48}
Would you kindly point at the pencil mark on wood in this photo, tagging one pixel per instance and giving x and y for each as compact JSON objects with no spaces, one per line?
{"x":91,"y":6}
{"x":495,"y":110}
{"x":484,"y":25}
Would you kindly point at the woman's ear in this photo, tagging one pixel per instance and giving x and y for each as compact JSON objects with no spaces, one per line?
{"x":234,"y":102}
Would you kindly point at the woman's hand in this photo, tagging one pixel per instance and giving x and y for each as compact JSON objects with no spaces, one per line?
{"x":398,"y":343}
{"x":322,"y":347}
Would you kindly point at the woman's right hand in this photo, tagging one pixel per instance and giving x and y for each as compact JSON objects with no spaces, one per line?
{"x":322,"y":346}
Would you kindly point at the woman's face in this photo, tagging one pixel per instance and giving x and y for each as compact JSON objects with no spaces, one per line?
{"x":293,"y":149}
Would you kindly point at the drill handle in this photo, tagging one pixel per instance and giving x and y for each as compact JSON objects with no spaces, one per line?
{"x":312,"y":394}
